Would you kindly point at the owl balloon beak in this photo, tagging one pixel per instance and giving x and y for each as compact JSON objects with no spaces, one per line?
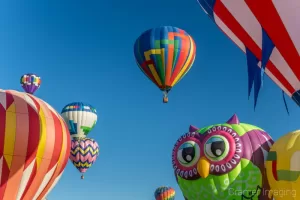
{"x":203,"y":167}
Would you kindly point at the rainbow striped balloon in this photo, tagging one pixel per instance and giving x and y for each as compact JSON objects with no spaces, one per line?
{"x":34,"y":146}
{"x":164,"y":193}
{"x":84,"y":152}
{"x":165,"y":55}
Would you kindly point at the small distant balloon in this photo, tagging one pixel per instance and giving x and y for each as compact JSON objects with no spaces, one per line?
{"x":84,"y":152}
{"x":30,"y":83}
{"x":164,"y":193}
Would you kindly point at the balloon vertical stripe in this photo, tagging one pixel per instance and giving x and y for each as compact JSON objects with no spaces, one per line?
{"x":42,"y":141}
{"x":34,"y":146}
{"x":190,"y":58}
{"x":9,"y":144}
{"x":41,"y":164}
{"x":57,"y":143}
{"x":3,"y":176}
{"x":63,"y":157}
{"x":34,"y":130}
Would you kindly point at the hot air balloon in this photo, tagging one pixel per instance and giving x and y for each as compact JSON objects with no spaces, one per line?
{"x":283,"y":167}
{"x":80,"y":117}
{"x":84,"y":152}
{"x":165,"y":55}
{"x":222,"y":161}
{"x":267,"y":31}
{"x":164,"y":193}
{"x":34,"y":146}
{"x":30,"y":83}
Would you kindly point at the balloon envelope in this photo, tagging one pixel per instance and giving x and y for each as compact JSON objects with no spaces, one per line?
{"x":84,"y":152}
{"x":222,"y":161}
{"x":267,"y":31}
{"x":165,"y":55}
{"x":164,"y":193}
{"x":30,"y":82}
{"x":80,"y":117}
{"x":34,"y":146}
{"x":283,"y":167}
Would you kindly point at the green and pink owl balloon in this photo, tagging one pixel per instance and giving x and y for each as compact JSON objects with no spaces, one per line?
{"x":222,"y":161}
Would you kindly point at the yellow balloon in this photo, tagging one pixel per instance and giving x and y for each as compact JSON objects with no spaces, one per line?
{"x":283,"y":167}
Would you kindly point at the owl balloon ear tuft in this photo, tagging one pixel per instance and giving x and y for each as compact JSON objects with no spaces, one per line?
{"x":193,"y":128}
{"x":233,"y":120}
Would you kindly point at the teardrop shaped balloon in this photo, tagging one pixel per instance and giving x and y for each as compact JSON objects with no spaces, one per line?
{"x":165,"y":55}
{"x":84,"y":152}
{"x":80,"y":117}
{"x":30,"y":83}
{"x":164,"y":193}
{"x":34,"y":146}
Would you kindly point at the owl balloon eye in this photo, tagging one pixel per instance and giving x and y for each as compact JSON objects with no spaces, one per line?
{"x":216,"y":148}
{"x":188,"y":154}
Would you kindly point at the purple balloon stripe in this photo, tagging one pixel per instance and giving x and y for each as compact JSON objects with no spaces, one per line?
{"x":255,"y":143}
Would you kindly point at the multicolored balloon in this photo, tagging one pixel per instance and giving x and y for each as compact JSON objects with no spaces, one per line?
{"x":30,"y":83}
{"x":267,"y":31}
{"x":80,"y":117}
{"x":222,"y":161}
{"x":165,"y":55}
{"x":164,"y":193}
{"x":34,"y":146}
{"x":84,"y":152}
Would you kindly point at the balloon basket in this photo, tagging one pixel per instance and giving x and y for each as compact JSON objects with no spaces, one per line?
{"x":82,"y":177}
{"x":165,"y":100}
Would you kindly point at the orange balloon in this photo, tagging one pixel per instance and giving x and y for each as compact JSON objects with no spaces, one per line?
{"x":34,"y":146}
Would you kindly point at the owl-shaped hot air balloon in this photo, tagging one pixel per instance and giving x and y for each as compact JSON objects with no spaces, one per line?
{"x":222,"y":161}
{"x":30,"y":83}
{"x":84,"y":152}
{"x":80,"y":117}
{"x":164,"y":193}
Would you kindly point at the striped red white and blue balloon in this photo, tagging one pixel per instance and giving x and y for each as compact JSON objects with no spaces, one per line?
{"x":268,"y":32}
{"x":84,"y":152}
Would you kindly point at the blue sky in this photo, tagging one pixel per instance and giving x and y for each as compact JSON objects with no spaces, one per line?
{"x":83,"y":50}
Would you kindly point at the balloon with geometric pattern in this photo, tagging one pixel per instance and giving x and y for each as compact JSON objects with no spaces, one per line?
{"x":164,"y":193}
{"x":165,"y":55}
{"x":80,"y":117}
{"x":30,"y":83}
{"x":222,"y":161}
{"x":84,"y":152}
{"x":34,"y":146}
